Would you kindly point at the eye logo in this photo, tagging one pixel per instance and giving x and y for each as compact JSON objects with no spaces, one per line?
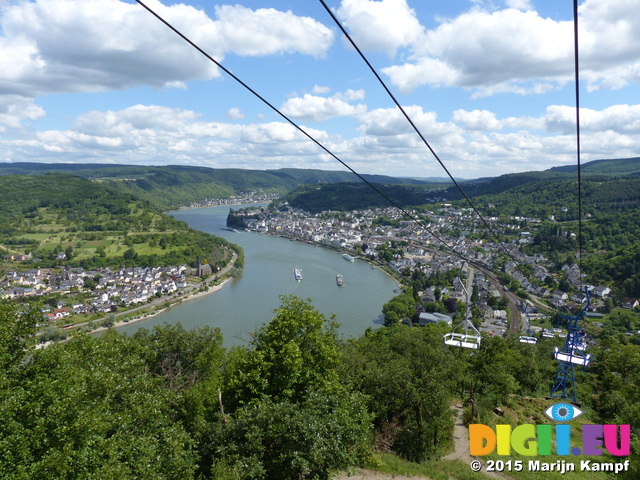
{"x":562,"y":412}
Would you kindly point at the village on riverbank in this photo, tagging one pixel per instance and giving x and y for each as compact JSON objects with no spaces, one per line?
{"x":88,"y":300}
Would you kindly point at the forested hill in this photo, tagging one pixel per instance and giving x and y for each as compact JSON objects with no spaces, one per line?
{"x":596,"y":171}
{"x":606,"y":186}
{"x":94,"y":226}
{"x":352,"y":196}
{"x":172,"y":186}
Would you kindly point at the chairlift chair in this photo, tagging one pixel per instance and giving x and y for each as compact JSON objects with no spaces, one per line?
{"x":529,"y":337}
{"x":464,"y":340}
{"x":574,"y":356}
{"x":468,"y":339}
{"x":571,"y":355}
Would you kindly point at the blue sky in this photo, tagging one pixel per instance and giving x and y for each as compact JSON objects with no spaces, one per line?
{"x":488,"y":83}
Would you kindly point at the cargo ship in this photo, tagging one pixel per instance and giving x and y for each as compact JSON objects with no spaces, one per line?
{"x":297,"y":273}
{"x":339,"y":280}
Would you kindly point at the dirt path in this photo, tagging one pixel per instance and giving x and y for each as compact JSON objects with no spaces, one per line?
{"x":461,"y":443}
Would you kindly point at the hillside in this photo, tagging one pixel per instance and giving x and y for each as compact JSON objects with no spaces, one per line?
{"x":614,"y":167}
{"x":172,"y":186}
{"x":64,"y":219}
{"x":595,"y":172}
{"x":351,"y":196}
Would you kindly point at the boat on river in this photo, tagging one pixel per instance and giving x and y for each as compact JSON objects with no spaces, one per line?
{"x":297,"y":273}
{"x":348,"y":257}
{"x":339,"y":280}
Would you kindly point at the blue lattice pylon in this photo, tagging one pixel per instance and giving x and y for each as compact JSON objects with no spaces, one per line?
{"x":571,"y":355}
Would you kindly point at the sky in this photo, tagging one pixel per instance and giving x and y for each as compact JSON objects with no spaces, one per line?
{"x":489,"y":83}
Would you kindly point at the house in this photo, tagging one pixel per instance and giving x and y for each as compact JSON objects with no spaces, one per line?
{"x":601,"y":291}
{"x":426,"y":318}
{"x":630,"y":303}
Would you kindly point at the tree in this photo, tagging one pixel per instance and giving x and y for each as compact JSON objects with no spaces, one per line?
{"x":402,"y":372}
{"x":290,"y":417}
{"x":398,"y":308}
{"x":100,"y":414}
{"x":294,"y":353}
{"x":130,"y":254}
{"x":451,"y":304}
{"x":17,"y":332}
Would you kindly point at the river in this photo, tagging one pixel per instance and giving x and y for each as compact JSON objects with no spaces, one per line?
{"x":248,"y":301}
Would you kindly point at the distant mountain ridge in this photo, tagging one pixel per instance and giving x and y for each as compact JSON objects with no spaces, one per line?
{"x":628,"y":166}
{"x":171,"y":186}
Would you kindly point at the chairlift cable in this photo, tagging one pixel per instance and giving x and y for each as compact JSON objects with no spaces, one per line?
{"x":573,"y":353}
{"x":577,"y":93}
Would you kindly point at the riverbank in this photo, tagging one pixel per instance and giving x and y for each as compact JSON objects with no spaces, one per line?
{"x":374,"y":264}
{"x":157,"y":306}
{"x":198,"y":293}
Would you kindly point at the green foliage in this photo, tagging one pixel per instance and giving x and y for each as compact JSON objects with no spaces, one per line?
{"x":409,"y":380}
{"x":90,"y":409}
{"x":351,"y":196}
{"x":291,"y":416}
{"x":173,"y":186}
{"x":91,"y":225}
{"x":292,"y":355}
{"x":295,"y":403}
{"x":282,"y":440}
{"x":398,"y":308}
{"x":17,"y":332}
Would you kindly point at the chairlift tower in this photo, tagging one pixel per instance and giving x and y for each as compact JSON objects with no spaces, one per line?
{"x":571,"y":355}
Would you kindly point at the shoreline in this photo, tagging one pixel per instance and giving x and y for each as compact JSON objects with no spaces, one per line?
{"x":338,"y":250}
{"x":196,"y":293}
{"x":142,"y":317}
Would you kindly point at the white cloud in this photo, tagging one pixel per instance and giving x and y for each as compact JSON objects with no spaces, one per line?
{"x":14,"y":110}
{"x":318,"y":90}
{"x":382,"y":26}
{"x":473,"y":144}
{"x":391,"y":122}
{"x":623,"y":119}
{"x":516,"y":50}
{"x":94,"y":45}
{"x":267,"y":31}
{"x":477,"y":120}
{"x":484,"y":120}
{"x":480,"y":49}
{"x":610,"y":45}
{"x":315,"y":108}
{"x":350,"y":95}
{"x":235,"y":113}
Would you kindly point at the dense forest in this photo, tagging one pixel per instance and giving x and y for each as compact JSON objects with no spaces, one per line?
{"x":296,"y":402}
{"x":352,"y":196}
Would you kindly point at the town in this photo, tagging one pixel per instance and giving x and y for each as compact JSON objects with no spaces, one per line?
{"x":100,"y":290}
{"x":445,"y":239}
